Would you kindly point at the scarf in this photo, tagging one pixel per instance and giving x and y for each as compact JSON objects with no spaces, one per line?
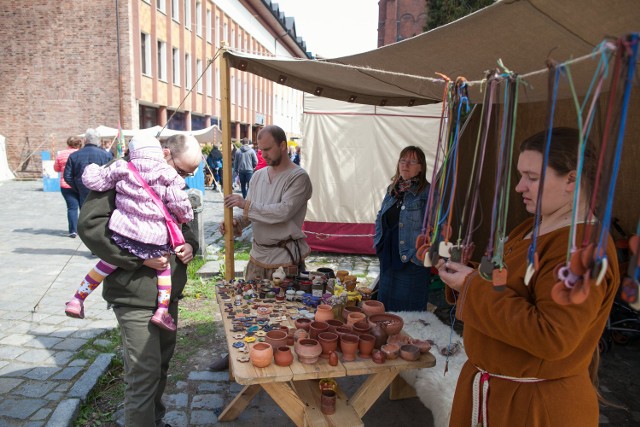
{"x":402,"y":186}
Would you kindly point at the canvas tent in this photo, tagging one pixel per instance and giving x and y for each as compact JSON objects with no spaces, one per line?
{"x":5,"y":172}
{"x":204,"y":136}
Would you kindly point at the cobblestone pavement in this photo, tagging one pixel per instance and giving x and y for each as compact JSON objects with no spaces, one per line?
{"x":41,"y":383}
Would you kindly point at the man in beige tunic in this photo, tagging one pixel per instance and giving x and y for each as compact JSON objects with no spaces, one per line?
{"x":276,"y":205}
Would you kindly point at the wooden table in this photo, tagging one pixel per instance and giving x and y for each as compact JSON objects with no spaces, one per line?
{"x":295,"y":388}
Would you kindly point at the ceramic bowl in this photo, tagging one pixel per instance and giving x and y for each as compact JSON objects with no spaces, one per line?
{"x":277,"y":338}
{"x":394,"y":322}
{"x":391,"y":351}
{"x":410,"y":352}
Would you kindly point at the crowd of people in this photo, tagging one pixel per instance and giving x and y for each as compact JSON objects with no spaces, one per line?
{"x":539,"y":357}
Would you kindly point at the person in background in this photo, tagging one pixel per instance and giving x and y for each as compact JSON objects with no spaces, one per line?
{"x":261,"y":162}
{"x":404,"y":281}
{"x":71,"y":196}
{"x":296,"y":156}
{"x":244,"y":164}
{"x":214,"y":161}
{"x":131,"y":291}
{"x":90,"y":153}
{"x":535,"y":359}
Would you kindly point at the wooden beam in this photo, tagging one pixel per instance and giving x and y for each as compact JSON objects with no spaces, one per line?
{"x":239,"y":403}
{"x":400,"y":389}
{"x":287,"y":399}
{"x":371,"y":390}
{"x":227,"y":181}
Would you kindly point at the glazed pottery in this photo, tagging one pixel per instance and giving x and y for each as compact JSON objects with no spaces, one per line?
{"x":333,"y":358}
{"x":328,"y":384}
{"x":349,"y":346}
{"x":324,"y":312}
{"x":391,"y":351}
{"x":283,"y":356}
{"x":316,"y":327}
{"x":393,"y":321}
{"x":409,"y":352}
{"x":308,"y":350}
{"x":300,"y":334}
{"x":333,"y":324}
{"x":366,"y":345}
{"x":355,"y":317}
{"x":372,"y":307}
{"x":303,"y":323}
{"x":261,"y":354}
{"x":377,"y":356}
{"x":329,"y":342}
{"x":276,"y":337}
{"x":349,"y":309}
{"x":361,"y":327}
{"x":328,"y":402}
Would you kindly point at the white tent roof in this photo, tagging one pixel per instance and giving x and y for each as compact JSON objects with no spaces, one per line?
{"x":523,"y":33}
{"x":207,"y":135}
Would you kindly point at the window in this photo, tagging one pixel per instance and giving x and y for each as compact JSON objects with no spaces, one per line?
{"x":148,"y":116}
{"x":217,"y":84}
{"x":233,"y":38}
{"x":187,"y":14}
{"x":209,"y":81}
{"x":217,"y":32}
{"x":176,"y":66}
{"x":198,"y":73}
{"x":175,"y":10}
{"x":187,"y":71}
{"x":145,"y":53}
{"x":232,"y":83}
{"x":161,"y":5}
{"x":199,"y":18}
{"x":162,"y":60}
{"x":225,"y":32}
{"x":209,"y":25}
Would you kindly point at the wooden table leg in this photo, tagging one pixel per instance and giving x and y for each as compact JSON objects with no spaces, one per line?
{"x":371,"y":390}
{"x":239,"y":403}
{"x":400,"y":389}
{"x":287,"y":399}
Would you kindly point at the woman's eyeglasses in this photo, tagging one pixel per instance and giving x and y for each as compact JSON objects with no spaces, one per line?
{"x":408,"y":162}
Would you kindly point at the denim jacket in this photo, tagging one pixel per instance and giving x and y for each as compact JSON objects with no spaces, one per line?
{"x":410,"y":226}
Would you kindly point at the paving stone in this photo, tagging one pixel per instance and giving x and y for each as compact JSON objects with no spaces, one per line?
{"x":34,"y":424}
{"x":35,"y":388}
{"x":34,"y":356}
{"x":64,"y":386}
{"x":68,"y":373}
{"x":54,"y":319}
{"x":63,"y":332}
{"x":10,"y":352}
{"x":235,"y":388}
{"x":42,"y":414}
{"x":15,"y":369}
{"x":16,"y":339}
{"x":42,"y":372}
{"x":178,"y":400}
{"x":208,"y":376}
{"x":20,"y":409}
{"x":211,"y":386}
{"x":55,"y":396}
{"x":65,"y":413}
{"x":61,"y":358}
{"x":8,"y":384}
{"x":176,"y":419}
{"x":70,"y":344}
{"x":102,"y":343}
{"x":42,"y":342}
{"x":78,"y":362}
{"x":203,"y":418}
{"x":88,"y":380}
{"x":207,"y":401}
{"x":181,"y":385}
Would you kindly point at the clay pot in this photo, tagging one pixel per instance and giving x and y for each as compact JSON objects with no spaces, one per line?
{"x":355,"y":317}
{"x":391,"y":351}
{"x":366,"y":345}
{"x":341,"y":274}
{"x":316,"y":327}
{"x":333,"y":358}
{"x":424,"y":346}
{"x":307,"y":350}
{"x":328,"y":272}
{"x":409,"y":352}
{"x":303,"y":323}
{"x":300,"y":334}
{"x":276,"y":337}
{"x":328,"y":402}
{"x":372,"y":307}
{"x":329,"y":342}
{"x":378,"y":357}
{"x":283,"y":356}
{"x":327,"y":384}
{"x":261,"y":354}
{"x":349,"y":309}
{"x":394,"y":322}
{"x":380,"y":332}
{"x":341,"y":330}
{"x":349,"y":346}
{"x":361,"y":327}
{"x":324,"y":312}
{"x":399,"y":339}
{"x":333,"y":324}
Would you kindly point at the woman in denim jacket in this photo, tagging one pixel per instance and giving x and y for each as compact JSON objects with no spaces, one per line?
{"x":404,"y":281}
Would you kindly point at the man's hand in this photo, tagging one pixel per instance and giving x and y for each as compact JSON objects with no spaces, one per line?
{"x":185,"y":253}
{"x":237,"y":231}
{"x":233,"y":201}
{"x":160,"y":263}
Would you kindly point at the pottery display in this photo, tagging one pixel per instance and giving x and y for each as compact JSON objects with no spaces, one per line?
{"x":329,"y":343}
{"x":393,"y":321}
{"x":391,"y":351}
{"x":333,"y":358}
{"x":261,"y":354}
{"x":328,"y":402}
{"x":276,"y":337}
{"x":409,"y":352}
{"x":372,"y":307}
{"x":366,"y":345}
{"x":378,"y":357}
{"x":361,"y":327}
{"x":300,"y":334}
{"x":355,"y":317}
{"x":423,"y":345}
{"x":333,"y":324}
{"x":349,"y":346}
{"x":283,"y":356}
{"x":341,"y":330}
{"x":303,"y":323}
{"x":324,"y":312}
{"x":379,"y":330}
{"x":399,"y":339}
{"x":308,"y":350}
{"x":349,"y":309}
{"x":316,"y":327}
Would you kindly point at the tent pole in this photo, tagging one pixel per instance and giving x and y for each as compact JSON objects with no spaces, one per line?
{"x":227,"y":183}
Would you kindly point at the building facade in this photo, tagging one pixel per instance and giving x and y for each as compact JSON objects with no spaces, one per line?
{"x":400,"y":19}
{"x":69,"y":65}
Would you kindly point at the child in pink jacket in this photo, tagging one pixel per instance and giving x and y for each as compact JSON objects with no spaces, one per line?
{"x":137,"y":223}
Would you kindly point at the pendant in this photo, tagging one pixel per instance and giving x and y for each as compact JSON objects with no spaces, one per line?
{"x":560,"y":293}
{"x":486,"y":268}
{"x":433,"y":254}
{"x":604,"y":264}
{"x":580,"y":290}
{"x":456,"y":253}
{"x":444,"y":249}
{"x":499,"y":278}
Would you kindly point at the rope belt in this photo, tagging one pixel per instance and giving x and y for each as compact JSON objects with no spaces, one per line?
{"x":481,"y":394}
{"x":295,"y":260}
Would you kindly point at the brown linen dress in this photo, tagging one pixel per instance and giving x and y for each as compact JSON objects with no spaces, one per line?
{"x":521,"y":332}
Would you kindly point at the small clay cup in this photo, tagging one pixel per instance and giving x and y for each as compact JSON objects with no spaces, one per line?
{"x":391,"y":351}
{"x":283,"y":356}
{"x":303,"y":323}
{"x":316,"y":327}
{"x":333,"y":324}
{"x":276,"y":337}
{"x":372,"y":307}
{"x":410,"y":352}
{"x":328,"y":402}
{"x":362,"y":327}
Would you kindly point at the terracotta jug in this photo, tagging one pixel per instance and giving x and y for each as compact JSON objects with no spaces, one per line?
{"x":379,"y":330}
{"x":261,"y":355}
{"x":283,"y":356}
{"x":324,"y":312}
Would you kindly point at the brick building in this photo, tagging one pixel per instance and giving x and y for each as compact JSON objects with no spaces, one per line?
{"x":400,"y":19}
{"x":68,"y":65}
